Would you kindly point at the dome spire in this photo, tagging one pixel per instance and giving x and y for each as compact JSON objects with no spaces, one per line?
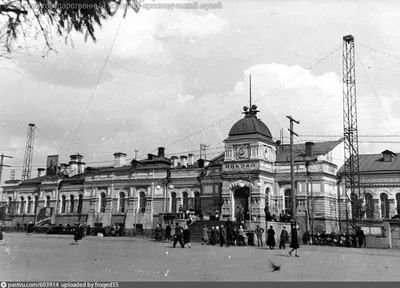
{"x":252,"y":109}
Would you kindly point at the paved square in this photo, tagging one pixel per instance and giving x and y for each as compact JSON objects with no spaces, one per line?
{"x":52,"y":257}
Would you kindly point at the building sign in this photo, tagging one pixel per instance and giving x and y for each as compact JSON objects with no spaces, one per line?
{"x":45,"y":214}
{"x":240,"y":166}
{"x":52,"y":165}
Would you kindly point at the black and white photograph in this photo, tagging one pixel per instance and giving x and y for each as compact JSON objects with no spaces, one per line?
{"x":199,"y":141}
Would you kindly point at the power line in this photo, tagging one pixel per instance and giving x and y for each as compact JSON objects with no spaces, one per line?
{"x":336,"y":136}
{"x":379,"y":51}
{"x":95,"y":87}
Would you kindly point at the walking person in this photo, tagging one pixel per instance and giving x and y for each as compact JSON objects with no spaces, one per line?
{"x":360,"y":237}
{"x":271,"y":238}
{"x":186,"y":237}
{"x":222,"y":237}
{"x":205,"y":232}
{"x":259,"y":231}
{"x":294,"y":244}
{"x":78,"y":235}
{"x":178,"y":235}
{"x":168,"y":233}
{"x":284,"y":238}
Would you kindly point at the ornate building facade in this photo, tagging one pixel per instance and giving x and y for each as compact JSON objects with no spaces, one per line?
{"x":253,"y":172}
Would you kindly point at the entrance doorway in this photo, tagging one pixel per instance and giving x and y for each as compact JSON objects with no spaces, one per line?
{"x":241,"y":202}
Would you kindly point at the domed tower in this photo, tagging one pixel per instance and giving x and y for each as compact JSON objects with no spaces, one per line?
{"x":248,"y":169}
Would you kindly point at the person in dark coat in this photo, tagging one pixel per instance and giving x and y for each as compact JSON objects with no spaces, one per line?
{"x":168,"y":233}
{"x":78,"y":234}
{"x":360,"y":237}
{"x":2,"y":242}
{"x":229,"y":234}
{"x":294,"y":244}
{"x":212,"y":236}
{"x":178,"y":235}
{"x":306,"y":238}
{"x":186,"y":237}
{"x":222,"y":236}
{"x":158,"y":232}
{"x":29,"y":228}
{"x":271,"y":238}
{"x":284,"y":238}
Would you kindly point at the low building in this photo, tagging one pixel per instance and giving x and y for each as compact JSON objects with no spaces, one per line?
{"x":252,"y":173}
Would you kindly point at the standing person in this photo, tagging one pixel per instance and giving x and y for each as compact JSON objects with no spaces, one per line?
{"x":271,"y":238}
{"x":178,"y":235}
{"x":217,"y":234}
{"x":240,"y":240}
{"x":222,"y":236}
{"x":294,"y":244}
{"x":168,"y":233}
{"x":284,"y":238}
{"x":29,"y":229}
{"x":360,"y":237}
{"x":229,"y":233}
{"x":306,"y":238}
{"x":205,"y":232}
{"x":212,"y":235}
{"x":186,"y":237}
{"x":78,"y":234}
{"x":158,"y":232}
{"x":259,"y":231}
{"x":2,"y":242}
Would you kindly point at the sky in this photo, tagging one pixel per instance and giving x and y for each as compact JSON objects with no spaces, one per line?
{"x":179,"y":78}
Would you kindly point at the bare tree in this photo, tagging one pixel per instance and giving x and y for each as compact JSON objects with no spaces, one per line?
{"x":37,"y":19}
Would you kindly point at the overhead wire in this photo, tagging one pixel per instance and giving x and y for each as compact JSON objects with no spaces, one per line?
{"x":96,"y":85}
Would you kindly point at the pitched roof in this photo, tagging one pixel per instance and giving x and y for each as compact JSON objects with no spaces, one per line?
{"x":320,"y":148}
{"x":370,"y":163}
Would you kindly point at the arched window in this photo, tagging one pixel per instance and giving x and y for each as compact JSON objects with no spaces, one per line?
{"x":103,"y":203}
{"x":22,"y":206}
{"x":398,"y":203}
{"x":9,"y":205}
{"x":47,"y":201}
{"x":354,"y":204}
{"x":173,"y":202}
{"x":267,"y":196}
{"x":36,"y":204}
{"x":28,"y":209}
{"x":63,"y":203}
{"x":369,"y":206}
{"x":72,"y":204}
{"x":185,"y":200}
{"x":384,"y":205}
{"x":122,"y":202}
{"x":142,"y":203}
{"x":288,"y":199}
{"x":197,"y":201}
{"x":80,"y":203}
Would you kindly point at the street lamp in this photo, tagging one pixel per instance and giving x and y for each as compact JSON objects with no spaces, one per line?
{"x":167,"y":185}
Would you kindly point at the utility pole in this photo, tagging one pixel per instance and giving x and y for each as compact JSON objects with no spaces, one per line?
{"x":2,"y":156}
{"x":136,"y":152}
{"x":293,"y":196}
{"x":339,"y":209}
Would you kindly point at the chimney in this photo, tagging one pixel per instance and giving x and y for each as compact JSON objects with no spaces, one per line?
{"x":149,"y":156}
{"x":119,"y":159}
{"x":74,"y":164}
{"x":161,"y":152}
{"x":174,"y":161}
{"x":309,"y":149}
{"x":81,"y":167}
{"x":40,"y":172}
{"x":201,"y":163}
{"x":183,"y":161}
{"x":64,"y":169}
{"x":190,"y":160}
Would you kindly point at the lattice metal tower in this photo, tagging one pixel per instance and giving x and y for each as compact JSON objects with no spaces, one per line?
{"x":27,"y":167}
{"x":351,"y":157}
